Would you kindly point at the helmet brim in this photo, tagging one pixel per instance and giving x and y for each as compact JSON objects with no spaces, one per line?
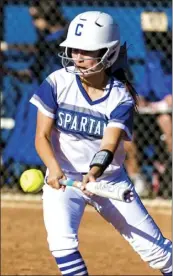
{"x":90,"y":47}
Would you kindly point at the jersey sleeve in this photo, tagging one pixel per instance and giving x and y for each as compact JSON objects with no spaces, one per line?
{"x":122,"y":117}
{"x":45,"y":98}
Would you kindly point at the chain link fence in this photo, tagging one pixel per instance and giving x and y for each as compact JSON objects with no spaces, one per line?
{"x":31,"y":32}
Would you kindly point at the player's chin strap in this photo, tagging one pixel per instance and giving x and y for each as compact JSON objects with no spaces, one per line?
{"x":102,"y":159}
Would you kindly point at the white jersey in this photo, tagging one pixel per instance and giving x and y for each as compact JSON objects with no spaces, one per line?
{"x":80,"y":122}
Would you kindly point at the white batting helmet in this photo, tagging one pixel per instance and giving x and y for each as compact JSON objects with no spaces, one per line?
{"x":91,"y":31}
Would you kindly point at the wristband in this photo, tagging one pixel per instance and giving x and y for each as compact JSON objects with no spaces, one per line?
{"x":102,"y":159}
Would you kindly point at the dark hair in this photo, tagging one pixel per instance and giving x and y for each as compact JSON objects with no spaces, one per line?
{"x":121,"y":75}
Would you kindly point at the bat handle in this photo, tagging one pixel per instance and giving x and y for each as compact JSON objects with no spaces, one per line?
{"x":66,"y":182}
{"x":77,"y":184}
{"x":70,"y":182}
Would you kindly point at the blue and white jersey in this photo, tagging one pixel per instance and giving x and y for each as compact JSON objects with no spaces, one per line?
{"x":80,"y":122}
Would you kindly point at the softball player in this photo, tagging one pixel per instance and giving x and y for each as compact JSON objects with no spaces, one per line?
{"x":85,"y":113}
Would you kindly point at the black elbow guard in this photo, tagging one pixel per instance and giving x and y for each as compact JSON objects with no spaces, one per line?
{"x":102,"y":159}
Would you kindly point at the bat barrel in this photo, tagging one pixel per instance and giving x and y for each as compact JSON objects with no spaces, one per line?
{"x":120,"y":191}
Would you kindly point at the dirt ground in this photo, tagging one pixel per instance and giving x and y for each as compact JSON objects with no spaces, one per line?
{"x":24,"y":249}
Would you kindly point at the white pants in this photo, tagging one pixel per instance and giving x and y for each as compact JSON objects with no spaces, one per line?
{"x":63,"y":212}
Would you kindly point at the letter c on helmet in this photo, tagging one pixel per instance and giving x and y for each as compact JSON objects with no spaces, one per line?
{"x":78,"y":27}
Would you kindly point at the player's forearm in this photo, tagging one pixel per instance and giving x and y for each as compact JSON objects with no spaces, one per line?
{"x":111,"y":139}
{"x":45,"y":151}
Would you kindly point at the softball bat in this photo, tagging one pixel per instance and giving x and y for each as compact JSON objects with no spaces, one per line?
{"x":120,"y":191}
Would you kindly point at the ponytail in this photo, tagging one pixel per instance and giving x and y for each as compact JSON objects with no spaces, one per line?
{"x":121,"y":75}
{"x":118,"y":70}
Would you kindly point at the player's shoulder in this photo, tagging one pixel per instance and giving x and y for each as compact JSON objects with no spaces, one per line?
{"x":60,"y":76}
{"x":120,"y":91}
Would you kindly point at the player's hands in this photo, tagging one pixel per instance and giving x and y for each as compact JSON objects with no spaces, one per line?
{"x":53,"y":178}
{"x":89,"y":177}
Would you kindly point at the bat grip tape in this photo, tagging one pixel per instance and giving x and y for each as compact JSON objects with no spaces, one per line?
{"x":67,"y":182}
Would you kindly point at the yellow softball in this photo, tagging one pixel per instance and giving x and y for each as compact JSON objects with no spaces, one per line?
{"x":31,"y":181}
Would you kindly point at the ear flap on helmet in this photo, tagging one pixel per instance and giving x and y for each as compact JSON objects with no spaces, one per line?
{"x":110,"y":55}
{"x":121,"y":61}
{"x":113,"y":54}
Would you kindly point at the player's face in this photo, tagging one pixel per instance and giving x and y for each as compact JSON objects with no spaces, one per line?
{"x":86,"y":60}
